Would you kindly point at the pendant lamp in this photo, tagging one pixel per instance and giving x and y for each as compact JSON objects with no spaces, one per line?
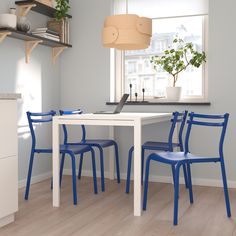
{"x":127,"y":31}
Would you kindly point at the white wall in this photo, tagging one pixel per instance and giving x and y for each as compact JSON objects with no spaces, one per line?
{"x":85,"y":82}
{"x":38,"y":82}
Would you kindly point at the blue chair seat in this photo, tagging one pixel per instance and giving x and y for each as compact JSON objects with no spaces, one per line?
{"x":159,"y":145}
{"x":102,"y":143}
{"x":174,"y":157}
{"x":76,"y":149}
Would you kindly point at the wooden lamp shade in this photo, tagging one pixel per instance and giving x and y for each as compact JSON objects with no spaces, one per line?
{"x":127,"y":32}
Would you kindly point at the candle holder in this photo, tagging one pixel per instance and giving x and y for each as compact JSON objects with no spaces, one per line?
{"x":136,"y":97}
{"x":130,"y":92}
{"x":143,"y":90}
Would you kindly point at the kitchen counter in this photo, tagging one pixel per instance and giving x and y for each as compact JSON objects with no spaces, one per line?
{"x":10,"y":96}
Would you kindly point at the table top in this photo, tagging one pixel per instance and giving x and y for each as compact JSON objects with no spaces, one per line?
{"x":120,"y":116}
{"x":121,"y":119}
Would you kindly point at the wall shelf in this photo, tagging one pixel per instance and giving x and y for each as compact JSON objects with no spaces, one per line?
{"x":39,"y":8}
{"x":32,"y":41}
{"x":30,"y":37}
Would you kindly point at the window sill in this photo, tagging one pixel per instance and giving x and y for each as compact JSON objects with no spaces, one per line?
{"x":164,"y":103}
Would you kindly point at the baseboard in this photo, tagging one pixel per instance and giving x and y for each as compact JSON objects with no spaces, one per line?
{"x":35,"y":179}
{"x":166,"y":179}
{"x":152,"y":178}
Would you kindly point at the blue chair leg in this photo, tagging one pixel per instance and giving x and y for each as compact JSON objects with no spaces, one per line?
{"x":129,"y":169}
{"x":73,"y":166}
{"x":227,"y":202}
{"x":173,"y":173}
{"x":62,"y":166}
{"x":29,"y":174}
{"x":102,"y":168}
{"x":176,"y":194}
{"x":146,"y":182}
{"x":94,"y":172}
{"x":185,"y":176}
{"x":190,"y":183}
{"x":117,"y":163}
{"x":142,"y":156}
{"x":80,"y":165}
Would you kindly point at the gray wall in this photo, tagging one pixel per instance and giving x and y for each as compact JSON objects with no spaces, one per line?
{"x":84,"y":76}
{"x":85,"y":82}
{"x":38,"y":82}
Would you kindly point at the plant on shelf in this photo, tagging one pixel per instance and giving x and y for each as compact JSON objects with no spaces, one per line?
{"x":176,"y":60}
{"x":62,"y":8}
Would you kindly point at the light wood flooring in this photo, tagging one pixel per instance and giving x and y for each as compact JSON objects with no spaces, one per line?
{"x":111,"y":213}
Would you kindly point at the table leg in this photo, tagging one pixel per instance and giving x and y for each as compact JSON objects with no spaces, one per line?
{"x":137,"y":168}
{"x":111,"y":154}
{"x":56,"y":163}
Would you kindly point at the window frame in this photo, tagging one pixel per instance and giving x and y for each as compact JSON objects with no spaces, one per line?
{"x":117,"y":74}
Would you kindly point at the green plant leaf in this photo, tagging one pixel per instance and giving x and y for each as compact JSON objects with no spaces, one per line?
{"x":174,"y":61}
{"x":62,"y":9}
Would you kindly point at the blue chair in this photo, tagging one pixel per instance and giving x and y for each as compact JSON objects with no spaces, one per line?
{"x":176,"y":159}
{"x":98,"y":143}
{"x":71,"y":150}
{"x":161,"y":146}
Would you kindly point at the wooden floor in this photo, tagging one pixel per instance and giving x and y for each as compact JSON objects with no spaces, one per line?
{"x":111,"y":213}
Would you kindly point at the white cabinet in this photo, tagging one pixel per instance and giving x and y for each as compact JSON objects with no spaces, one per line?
{"x":8,"y":160}
{"x":9,"y":185}
{"x":8,"y":128}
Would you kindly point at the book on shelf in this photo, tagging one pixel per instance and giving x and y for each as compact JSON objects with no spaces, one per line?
{"x":67,"y":39}
{"x":45,"y":30}
{"x":61,"y":27}
{"x":46,"y":34}
{"x":41,"y":29}
{"x":49,"y":37}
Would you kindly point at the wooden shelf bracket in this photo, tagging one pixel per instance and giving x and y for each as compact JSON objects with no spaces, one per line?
{"x":25,"y":8}
{"x":56,"y":51}
{"x":3,"y":35}
{"x":29,"y":47}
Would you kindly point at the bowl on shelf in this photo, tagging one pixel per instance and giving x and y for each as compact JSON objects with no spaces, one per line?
{"x":8,"y":21}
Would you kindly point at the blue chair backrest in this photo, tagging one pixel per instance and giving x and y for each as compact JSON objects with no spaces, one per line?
{"x":220,"y":121}
{"x":73,"y":112}
{"x":177,"y":118}
{"x":40,"y":117}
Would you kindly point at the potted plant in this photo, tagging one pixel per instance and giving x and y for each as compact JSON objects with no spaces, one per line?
{"x":62,"y":8}
{"x":176,"y":60}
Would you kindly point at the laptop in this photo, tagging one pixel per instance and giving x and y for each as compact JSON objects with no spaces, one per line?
{"x":118,"y":107}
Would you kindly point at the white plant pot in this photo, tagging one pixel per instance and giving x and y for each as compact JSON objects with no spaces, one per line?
{"x":8,"y":21}
{"x":173,"y":93}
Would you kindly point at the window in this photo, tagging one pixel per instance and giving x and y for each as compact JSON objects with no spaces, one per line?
{"x":131,"y":66}
{"x":135,"y":67}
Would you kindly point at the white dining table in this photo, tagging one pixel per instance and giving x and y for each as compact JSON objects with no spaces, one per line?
{"x":135,"y":120}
